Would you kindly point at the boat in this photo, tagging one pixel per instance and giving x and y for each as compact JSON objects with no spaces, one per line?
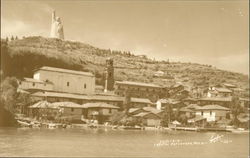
{"x":132,"y":128}
{"x":23,"y":123}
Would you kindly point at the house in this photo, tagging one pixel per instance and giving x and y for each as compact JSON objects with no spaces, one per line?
{"x":42,"y":108}
{"x":222,"y":101}
{"x":81,"y":99}
{"x":134,"y":111}
{"x":173,"y":103}
{"x":158,"y":74}
{"x":228,"y":85}
{"x":32,"y":85}
{"x":154,"y":110}
{"x":70,"y":109}
{"x":140,"y":102}
{"x":197,"y":121}
{"x":138,"y":89}
{"x":149,"y":118}
{"x":187,"y":111}
{"x":243,"y":119}
{"x":219,"y":92}
{"x":212,"y":112}
{"x":100,"y":111}
{"x":65,"y":80}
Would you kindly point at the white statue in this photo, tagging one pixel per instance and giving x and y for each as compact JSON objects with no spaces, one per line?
{"x":56,"y":27}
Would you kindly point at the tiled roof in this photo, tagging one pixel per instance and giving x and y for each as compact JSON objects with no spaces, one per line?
{"x":44,"y":104}
{"x":78,"y":96}
{"x":223,"y":90}
{"x":142,"y":114}
{"x":67,"y":104}
{"x":226,"y":99}
{"x":193,"y":106}
{"x":151,"y":109}
{"x":131,"y":110}
{"x":33,"y":80}
{"x":213,"y":107}
{"x":229,"y":85}
{"x":141,"y":100}
{"x":46,"y":68}
{"x":138,"y":84}
{"x":90,"y":97}
{"x":99,"y":105}
{"x":169,"y":101}
{"x":185,"y":109}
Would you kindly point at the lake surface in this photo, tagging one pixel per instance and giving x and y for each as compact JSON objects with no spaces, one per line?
{"x":120,"y":143}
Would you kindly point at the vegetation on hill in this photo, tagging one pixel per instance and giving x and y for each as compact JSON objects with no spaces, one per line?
{"x":22,"y":56}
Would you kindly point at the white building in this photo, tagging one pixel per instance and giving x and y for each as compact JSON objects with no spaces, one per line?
{"x":212,"y":112}
{"x":31,"y":84}
{"x":67,"y":80}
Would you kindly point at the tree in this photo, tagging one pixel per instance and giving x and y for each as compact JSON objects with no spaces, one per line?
{"x":236,"y":109}
{"x":9,"y":93}
{"x":12,"y":38}
{"x":8,"y":97}
{"x":127,"y":101}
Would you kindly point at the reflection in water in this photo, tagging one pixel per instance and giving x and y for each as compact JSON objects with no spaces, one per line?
{"x":107,"y":142}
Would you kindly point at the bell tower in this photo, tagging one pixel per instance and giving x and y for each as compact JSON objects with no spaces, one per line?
{"x":109,"y":75}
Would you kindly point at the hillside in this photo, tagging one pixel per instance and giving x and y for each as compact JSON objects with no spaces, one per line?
{"x":20,"y":57}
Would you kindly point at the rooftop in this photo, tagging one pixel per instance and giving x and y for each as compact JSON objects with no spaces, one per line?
{"x":99,"y":105}
{"x":89,"y":97}
{"x":193,"y":106}
{"x":44,"y":104}
{"x":225,"y":90}
{"x":213,"y":107}
{"x":33,"y":80}
{"x":229,"y":85}
{"x":185,"y":109}
{"x":138,"y":84}
{"x":225,"y":99}
{"x":67,"y":104}
{"x":151,"y":109}
{"x":46,"y":68}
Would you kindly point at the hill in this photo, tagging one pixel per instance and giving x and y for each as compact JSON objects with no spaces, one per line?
{"x":20,"y":57}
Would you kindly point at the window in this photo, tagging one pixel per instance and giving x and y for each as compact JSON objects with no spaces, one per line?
{"x":33,"y":84}
{"x":72,"y":109}
{"x":110,"y":111}
{"x":85,"y":86}
{"x":68,"y":84}
{"x":210,"y":112}
{"x":202,"y":113}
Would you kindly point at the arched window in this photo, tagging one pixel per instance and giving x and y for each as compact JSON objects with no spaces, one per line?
{"x":85,"y":85}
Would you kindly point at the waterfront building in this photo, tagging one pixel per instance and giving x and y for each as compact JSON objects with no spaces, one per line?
{"x":222,"y":101}
{"x":32,"y":85}
{"x":212,"y":112}
{"x":138,"y":89}
{"x":68,"y":81}
{"x":149,"y":119}
{"x":219,"y":92}
{"x":82,"y":99}
{"x":100,"y":111}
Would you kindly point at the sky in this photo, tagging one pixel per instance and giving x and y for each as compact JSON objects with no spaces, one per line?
{"x":205,"y":31}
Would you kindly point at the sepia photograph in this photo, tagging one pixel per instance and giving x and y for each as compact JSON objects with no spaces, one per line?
{"x":124,"y":78}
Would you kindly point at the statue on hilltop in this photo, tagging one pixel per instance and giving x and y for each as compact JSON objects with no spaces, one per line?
{"x":56,"y":27}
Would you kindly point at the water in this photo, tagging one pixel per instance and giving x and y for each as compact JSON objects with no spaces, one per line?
{"x":101,"y":142}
